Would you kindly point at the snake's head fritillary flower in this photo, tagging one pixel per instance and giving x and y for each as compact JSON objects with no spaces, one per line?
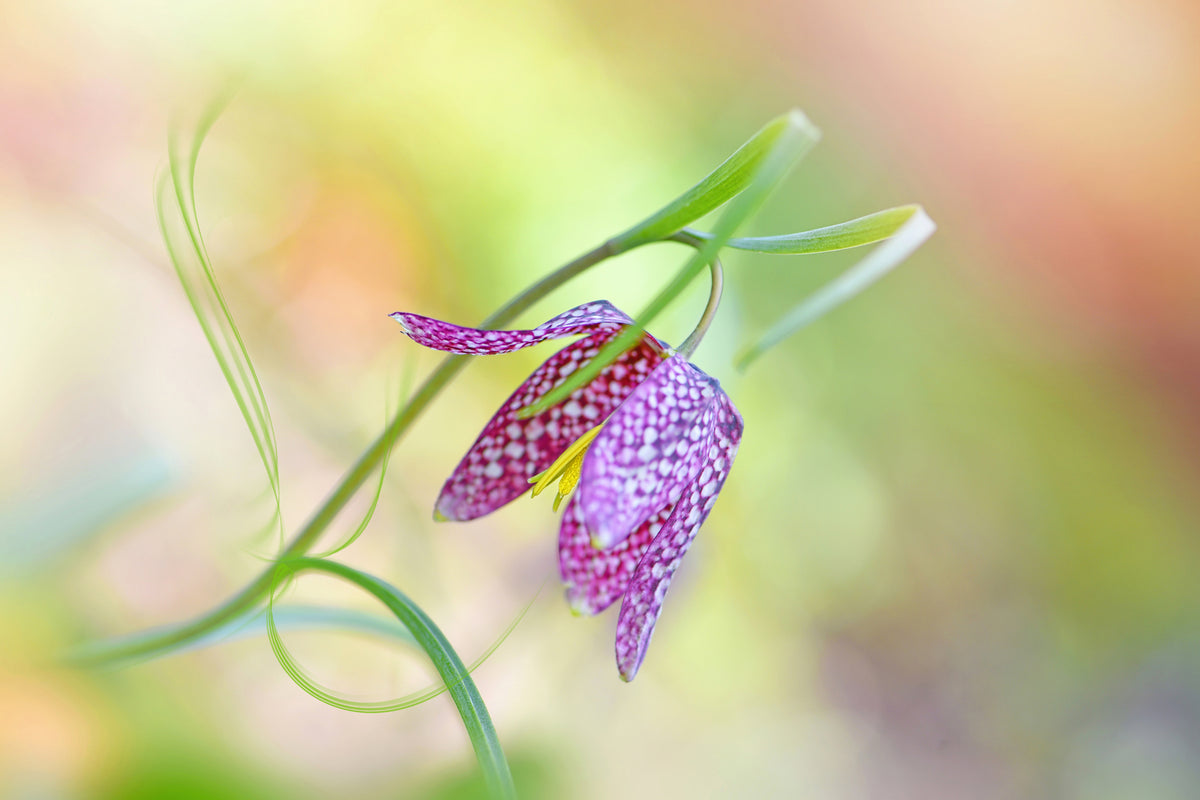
{"x":649,"y":442}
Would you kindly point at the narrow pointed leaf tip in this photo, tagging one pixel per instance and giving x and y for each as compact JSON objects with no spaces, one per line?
{"x":842,"y":236}
{"x":910,"y":235}
{"x":722,"y":184}
{"x":799,"y":122}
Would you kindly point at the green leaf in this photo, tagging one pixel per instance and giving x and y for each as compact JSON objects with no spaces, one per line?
{"x":456,"y":677}
{"x":180,"y":227}
{"x":792,"y":136}
{"x":731,"y":177}
{"x":844,"y":235}
{"x":911,"y":234}
{"x":309,"y":618}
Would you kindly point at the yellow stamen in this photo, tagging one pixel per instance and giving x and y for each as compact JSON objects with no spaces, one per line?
{"x":566,"y":468}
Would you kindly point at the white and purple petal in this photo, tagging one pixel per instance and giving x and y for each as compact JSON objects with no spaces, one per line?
{"x":596,"y":578}
{"x":593,"y":317}
{"x":648,"y":451}
{"x":510,"y":450}
{"x":652,"y":577}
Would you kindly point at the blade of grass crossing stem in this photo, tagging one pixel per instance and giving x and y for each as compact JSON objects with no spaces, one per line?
{"x":910,"y":235}
{"x":793,"y":141}
{"x":842,"y":236}
{"x":455,"y":675}
{"x":405,"y":392}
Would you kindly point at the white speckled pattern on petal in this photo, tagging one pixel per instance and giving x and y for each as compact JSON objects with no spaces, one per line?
{"x":433,"y":333}
{"x":648,"y":451}
{"x":650,"y":581}
{"x":510,"y":450}
{"x":596,"y":578}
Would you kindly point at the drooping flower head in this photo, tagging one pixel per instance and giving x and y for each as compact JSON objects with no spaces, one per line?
{"x":649,"y":442}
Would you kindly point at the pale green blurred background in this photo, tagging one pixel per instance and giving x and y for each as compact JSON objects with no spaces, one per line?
{"x":957,"y":556}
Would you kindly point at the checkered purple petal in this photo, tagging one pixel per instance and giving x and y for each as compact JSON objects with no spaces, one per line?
{"x":650,"y":581}
{"x":593,"y":317}
{"x":596,"y":578}
{"x":648,"y":451}
{"x":510,"y":450}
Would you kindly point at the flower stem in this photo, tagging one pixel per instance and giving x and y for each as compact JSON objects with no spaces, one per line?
{"x":144,"y":645}
{"x":714,"y":296}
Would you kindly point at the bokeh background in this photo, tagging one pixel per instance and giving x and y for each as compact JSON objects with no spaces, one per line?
{"x":958,"y":554}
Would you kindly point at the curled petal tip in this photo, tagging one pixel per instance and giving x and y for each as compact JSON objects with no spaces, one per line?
{"x":399,"y":318}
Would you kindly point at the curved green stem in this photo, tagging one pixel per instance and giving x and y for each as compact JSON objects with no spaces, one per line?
{"x":454,"y":674}
{"x":146,"y":644}
{"x":688,"y":348}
